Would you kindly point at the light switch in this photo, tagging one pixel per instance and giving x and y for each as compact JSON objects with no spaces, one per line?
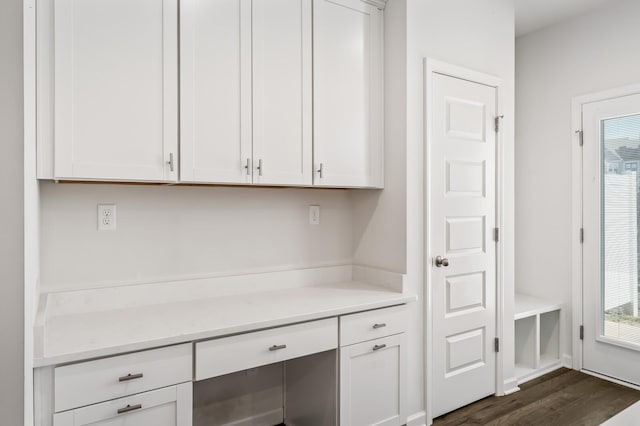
{"x":314,"y":215}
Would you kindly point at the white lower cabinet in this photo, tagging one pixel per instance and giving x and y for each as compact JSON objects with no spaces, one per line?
{"x":299,"y":373}
{"x":373,"y":368}
{"x":372,"y":382}
{"x":170,"y":406}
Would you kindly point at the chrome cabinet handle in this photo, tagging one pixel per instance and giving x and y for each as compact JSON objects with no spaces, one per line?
{"x":277,"y":347}
{"x":441,"y":261}
{"x":376,"y":326}
{"x":129,"y":408}
{"x":320,"y":170}
{"x":170,"y":162}
{"x":247,"y":166}
{"x":259,"y":167}
{"x":378,"y":347}
{"x":130,"y":377}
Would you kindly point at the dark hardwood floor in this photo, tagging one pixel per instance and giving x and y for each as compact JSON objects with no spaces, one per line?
{"x":563,"y":398}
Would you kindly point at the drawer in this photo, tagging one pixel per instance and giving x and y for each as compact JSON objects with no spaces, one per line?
{"x":167,"y":406}
{"x":363,"y":326}
{"x":244,"y":351}
{"x":90,"y":382}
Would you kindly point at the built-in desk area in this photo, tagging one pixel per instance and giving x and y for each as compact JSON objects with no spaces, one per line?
{"x":321,"y":346}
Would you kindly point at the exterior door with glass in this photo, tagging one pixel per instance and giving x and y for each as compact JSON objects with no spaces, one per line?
{"x":611,"y":255}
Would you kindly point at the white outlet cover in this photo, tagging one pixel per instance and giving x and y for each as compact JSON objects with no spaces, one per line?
{"x":314,"y":215}
{"x":107,"y":217}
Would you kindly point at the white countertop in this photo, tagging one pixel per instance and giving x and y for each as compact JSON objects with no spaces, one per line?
{"x":73,"y":337}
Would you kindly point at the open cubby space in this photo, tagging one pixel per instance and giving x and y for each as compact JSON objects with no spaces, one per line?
{"x":549,"y":338}
{"x":525,"y":349}
{"x":537,"y":337}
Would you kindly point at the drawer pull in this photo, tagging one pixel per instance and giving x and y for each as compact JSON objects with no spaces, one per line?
{"x":277,"y":347}
{"x":130,"y":377}
{"x":129,"y":408}
{"x":378,"y":347}
{"x":377,"y":326}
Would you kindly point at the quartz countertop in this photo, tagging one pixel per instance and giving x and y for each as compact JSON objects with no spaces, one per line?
{"x":72,"y":337}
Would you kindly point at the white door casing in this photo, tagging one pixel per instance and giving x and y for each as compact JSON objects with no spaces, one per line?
{"x":461,"y":217}
{"x":116,"y":92}
{"x":215,"y":91}
{"x":602,"y":353}
{"x":282,"y":144}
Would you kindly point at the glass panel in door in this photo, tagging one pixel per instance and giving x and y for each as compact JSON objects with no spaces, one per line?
{"x":620,"y":186}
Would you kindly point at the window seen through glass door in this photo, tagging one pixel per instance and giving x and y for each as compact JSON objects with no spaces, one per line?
{"x":620,"y":225}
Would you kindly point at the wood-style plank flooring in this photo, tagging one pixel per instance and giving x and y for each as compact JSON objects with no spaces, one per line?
{"x":563,"y":398}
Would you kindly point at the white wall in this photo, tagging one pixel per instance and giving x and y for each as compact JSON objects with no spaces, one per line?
{"x":168,"y":232}
{"x":11,"y":222}
{"x":590,"y":53}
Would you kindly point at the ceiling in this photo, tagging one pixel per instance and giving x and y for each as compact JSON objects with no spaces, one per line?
{"x":532,"y":15}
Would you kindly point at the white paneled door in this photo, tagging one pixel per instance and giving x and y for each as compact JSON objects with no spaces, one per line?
{"x":611,"y":188}
{"x":462,"y":252}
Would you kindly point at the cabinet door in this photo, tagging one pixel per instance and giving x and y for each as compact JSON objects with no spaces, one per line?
{"x":372,"y":382}
{"x":215,"y":91}
{"x":347,"y":88}
{"x":282,"y":146}
{"x":170,"y":406}
{"x":116,"y":91}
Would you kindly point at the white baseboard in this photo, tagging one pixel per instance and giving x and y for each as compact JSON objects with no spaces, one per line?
{"x":511,"y":386}
{"x":567,"y":361}
{"x":417,"y":419}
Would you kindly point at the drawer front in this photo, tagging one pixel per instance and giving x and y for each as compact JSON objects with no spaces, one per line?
{"x":371,"y":325}
{"x":90,"y":382}
{"x":169,"y":406}
{"x":236,"y":353}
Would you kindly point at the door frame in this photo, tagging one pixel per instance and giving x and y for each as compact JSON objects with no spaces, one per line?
{"x":577,"y":284}
{"x":433,"y":66}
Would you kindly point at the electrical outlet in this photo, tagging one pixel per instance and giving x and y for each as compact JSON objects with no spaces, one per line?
{"x":106,"y":217}
{"x":314,"y":215}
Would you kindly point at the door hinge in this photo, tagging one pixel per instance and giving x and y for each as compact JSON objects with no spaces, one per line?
{"x":581,"y":235}
{"x":496,"y":234}
{"x":496,"y":122}
{"x":582,"y":332}
{"x":496,"y":344}
{"x":580,"y":134}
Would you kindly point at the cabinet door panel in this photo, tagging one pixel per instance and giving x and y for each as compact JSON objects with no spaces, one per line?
{"x":215,"y":83}
{"x":347,"y":61}
{"x":116,"y":71}
{"x":282,"y":146}
{"x":372,"y":382}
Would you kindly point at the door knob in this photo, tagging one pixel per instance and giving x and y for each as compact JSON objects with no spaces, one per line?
{"x":442,"y":261}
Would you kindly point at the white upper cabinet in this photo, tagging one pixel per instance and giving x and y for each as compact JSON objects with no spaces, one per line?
{"x":347,"y":90}
{"x":116,"y":90}
{"x":215,"y":91}
{"x":282,"y":145}
{"x":267,"y":92}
